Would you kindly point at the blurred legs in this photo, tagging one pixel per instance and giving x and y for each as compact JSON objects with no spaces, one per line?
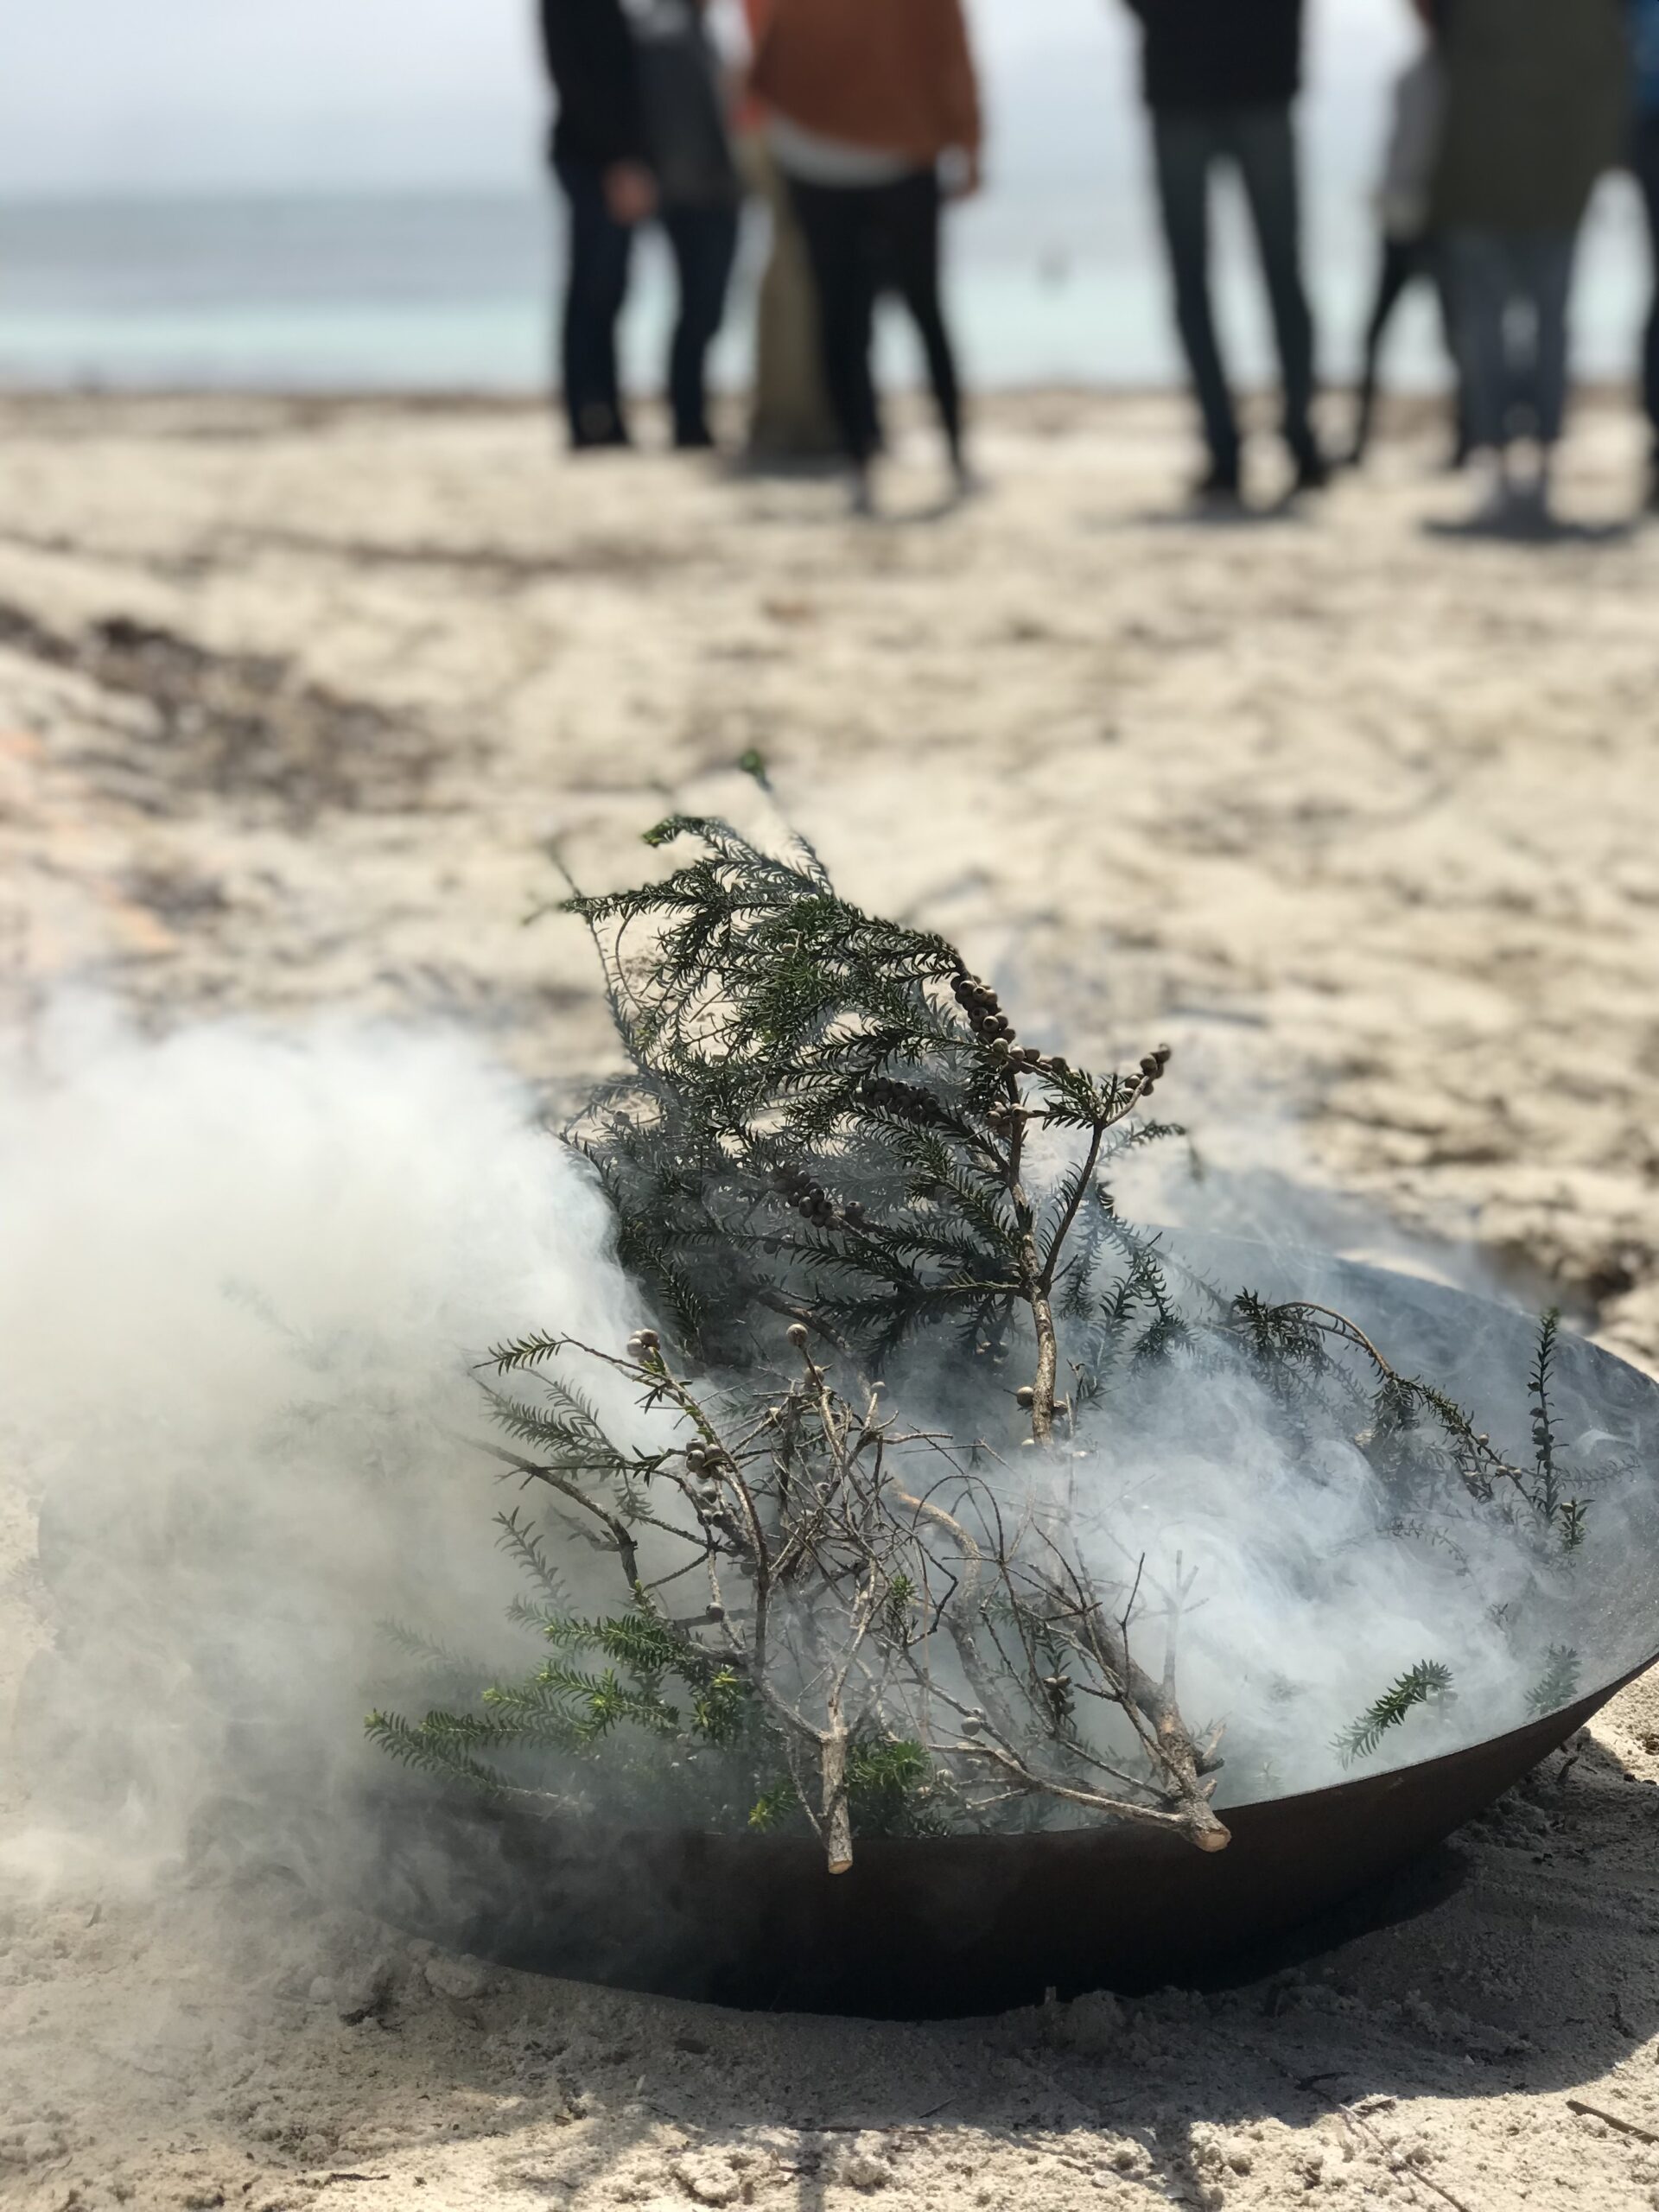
{"x":907,"y":217}
{"x":1402,"y":262}
{"x":1262,"y":142}
{"x":704,"y":244}
{"x":834,"y":222}
{"x":1546,"y":276}
{"x":1509,"y":362}
{"x":595,"y":286}
{"x":1646,"y":165}
{"x":1185,"y":147}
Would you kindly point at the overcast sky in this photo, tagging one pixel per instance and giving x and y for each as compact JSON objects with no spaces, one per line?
{"x":159,"y":95}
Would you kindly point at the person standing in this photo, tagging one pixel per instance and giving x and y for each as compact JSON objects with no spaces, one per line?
{"x":867,"y":99}
{"x":1644,"y":24}
{"x":1537,"y":108}
{"x":599,"y":157}
{"x":1410,"y":250}
{"x":699,"y":191}
{"x":1221,"y":78}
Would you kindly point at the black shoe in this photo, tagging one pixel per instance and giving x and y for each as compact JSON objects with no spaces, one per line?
{"x":598,"y":428}
{"x":1220,"y":487}
{"x":1653,"y":486}
{"x":1312,"y":470}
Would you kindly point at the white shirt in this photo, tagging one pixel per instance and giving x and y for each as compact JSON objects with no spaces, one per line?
{"x":817,"y":159}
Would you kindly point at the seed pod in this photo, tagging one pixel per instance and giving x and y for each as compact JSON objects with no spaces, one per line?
{"x":1163,"y":1054}
{"x":1025,"y":1397}
{"x":1000,"y":1053}
{"x":696,"y":1458}
{"x":973,"y":1724}
{"x":715,"y":1612}
{"x":796,"y":1335}
{"x":1150,"y":1065}
{"x":1058,"y":1065}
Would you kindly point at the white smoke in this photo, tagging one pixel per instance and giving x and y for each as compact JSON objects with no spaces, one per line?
{"x":242,"y":1279}
{"x":242,"y":1275}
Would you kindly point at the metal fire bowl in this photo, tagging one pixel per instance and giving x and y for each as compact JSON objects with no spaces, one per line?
{"x":969,"y":1924}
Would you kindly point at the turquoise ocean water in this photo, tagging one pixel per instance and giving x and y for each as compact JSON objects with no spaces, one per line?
{"x":414,"y":293}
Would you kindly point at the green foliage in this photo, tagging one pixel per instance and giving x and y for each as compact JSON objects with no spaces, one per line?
{"x":829,"y":1143}
{"x":429,"y":1656}
{"x":436,"y":1747}
{"x":1557,"y":1685}
{"x":1428,"y":1682}
{"x":893,"y":1789}
{"x":656,"y":1693}
{"x":521,"y":1542}
{"x":821,"y":1110}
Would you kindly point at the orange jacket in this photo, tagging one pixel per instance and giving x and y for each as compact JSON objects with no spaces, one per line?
{"x":751,"y":112}
{"x":894,"y":75}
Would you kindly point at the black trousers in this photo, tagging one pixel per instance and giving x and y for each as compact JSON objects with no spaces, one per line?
{"x":704,"y":241}
{"x":596,"y":284}
{"x":1260,"y":143}
{"x":704,"y":244}
{"x":1403,"y":262}
{"x":1645,"y":162}
{"x":863,"y":240}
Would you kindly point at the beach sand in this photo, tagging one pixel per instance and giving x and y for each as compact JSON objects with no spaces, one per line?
{"x":1359,"y":813}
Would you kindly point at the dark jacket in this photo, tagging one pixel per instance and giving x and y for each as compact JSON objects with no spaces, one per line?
{"x":1221,"y":53}
{"x":590,"y":58}
{"x":1538,"y":95}
{"x":1644,"y":33}
{"x":682,"y":95}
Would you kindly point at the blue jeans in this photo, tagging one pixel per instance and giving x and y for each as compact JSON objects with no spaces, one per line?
{"x":1509,"y":293}
{"x":1260,"y":143}
{"x":596,"y":285}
